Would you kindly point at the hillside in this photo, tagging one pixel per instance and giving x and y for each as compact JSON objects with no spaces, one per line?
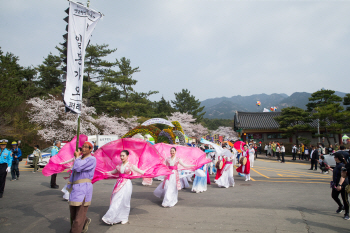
{"x":225,"y":107}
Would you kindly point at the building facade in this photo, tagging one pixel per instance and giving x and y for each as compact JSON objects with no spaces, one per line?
{"x":261,"y":126}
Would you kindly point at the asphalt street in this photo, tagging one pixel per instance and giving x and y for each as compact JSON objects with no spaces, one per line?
{"x":280,"y":198}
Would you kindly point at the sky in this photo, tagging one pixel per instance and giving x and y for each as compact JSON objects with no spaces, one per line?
{"x":213,"y":48}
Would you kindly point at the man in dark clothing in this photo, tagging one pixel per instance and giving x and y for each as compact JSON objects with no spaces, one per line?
{"x":314,"y":158}
{"x":95,"y":146}
{"x":339,"y":184}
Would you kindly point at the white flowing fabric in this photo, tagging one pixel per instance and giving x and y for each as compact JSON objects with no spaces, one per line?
{"x":184,"y":183}
{"x":200,"y":181}
{"x":251,"y":157}
{"x":119,"y":208}
{"x":169,"y":193}
{"x":226,"y":179}
{"x":66,"y":193}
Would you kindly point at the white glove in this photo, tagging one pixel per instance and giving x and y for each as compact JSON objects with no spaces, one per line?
{"x":8,"y":169}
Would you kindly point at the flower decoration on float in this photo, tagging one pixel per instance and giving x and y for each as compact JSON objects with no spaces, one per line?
{"x":150,"y":129}
{"x":163,"y":133}
{"x":181,"y":136}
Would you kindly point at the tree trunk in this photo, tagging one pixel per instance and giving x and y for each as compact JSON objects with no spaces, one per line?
{"x":327,"y":136}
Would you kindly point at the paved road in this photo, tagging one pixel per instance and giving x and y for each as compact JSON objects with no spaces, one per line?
{"x":282,"y":198}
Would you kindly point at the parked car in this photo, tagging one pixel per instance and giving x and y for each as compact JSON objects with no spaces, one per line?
{"x":45,"y":153}
{"x":329,"y":158}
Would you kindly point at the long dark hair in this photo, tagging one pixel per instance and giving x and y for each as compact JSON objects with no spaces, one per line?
{"x":125,"y":151}
{"x":340,"y":157}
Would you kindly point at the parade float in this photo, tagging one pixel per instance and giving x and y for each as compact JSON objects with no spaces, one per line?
{"x":171,"y":135}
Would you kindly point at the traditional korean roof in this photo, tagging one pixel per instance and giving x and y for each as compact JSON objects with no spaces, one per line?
{"x":256,"y":120}
{"x":259,"y":120}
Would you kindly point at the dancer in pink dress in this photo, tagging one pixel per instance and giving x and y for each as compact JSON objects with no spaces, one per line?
{"x":168,"y":189}
{"x":119,"y":208}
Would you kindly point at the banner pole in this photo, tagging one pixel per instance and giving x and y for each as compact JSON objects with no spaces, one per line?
{"x":78,"y":132}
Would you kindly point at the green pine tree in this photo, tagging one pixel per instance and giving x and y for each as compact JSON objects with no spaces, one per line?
{"x":185,"y":102}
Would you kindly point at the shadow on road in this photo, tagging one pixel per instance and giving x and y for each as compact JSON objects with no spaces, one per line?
{"x":52,"y":192}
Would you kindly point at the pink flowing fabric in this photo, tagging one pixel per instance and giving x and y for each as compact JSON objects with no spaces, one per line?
{"x":238,"y":145}
{"x":188,"y":155}
{"x":66,"y":153}
{"x":142,"y":154}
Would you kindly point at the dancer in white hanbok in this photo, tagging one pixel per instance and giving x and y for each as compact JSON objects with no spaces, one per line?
{"x":183,"y":180}
{"x":226,"y":179}
{"x":200,"y":181}
{"x":168,"y":189}
{"x":119,"y":208}
{"x":251,"y":155}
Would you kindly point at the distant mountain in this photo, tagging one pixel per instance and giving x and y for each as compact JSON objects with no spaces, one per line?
{"x":297,"y":99}
{"x":225,"y":107}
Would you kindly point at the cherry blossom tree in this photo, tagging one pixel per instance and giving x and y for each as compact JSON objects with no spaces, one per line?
{"x":49,"y":114}
{"x":227,"y":132}
{"x":188,"y":124}
{"x":114,"y":125}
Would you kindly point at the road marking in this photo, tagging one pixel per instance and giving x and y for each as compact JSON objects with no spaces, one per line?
{"x":271,"y":161}
{"x":291,"y":181}
{"x":288,"y":176}
{"x":260,"y":173}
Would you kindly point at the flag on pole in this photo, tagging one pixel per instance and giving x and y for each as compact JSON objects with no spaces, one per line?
{"x":81,"y":22}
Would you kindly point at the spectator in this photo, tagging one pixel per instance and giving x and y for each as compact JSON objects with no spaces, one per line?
{"x":294,"y":152}
{"x":273,"y":148}
{"x":299,"y":152}
{"x":338,"y":185}
{"x":306,"y":153}
{"x":54,"y":151}
{"x":36,"y":156}
{"x":344,"y":153}
{"x":336,"y":147}
{"x":330,"y":149}
{"x":278,"y":152}
{"x":303,"y":152}
{"x":16,"y":158}
{"x":283,"y":152}
{"x":266,"y":148}
{"x":324,"y":167}
{"x":256,"y":150}
{"x":95,"y":146}
{"x":314,"y":158}
{"x":259,"y":147}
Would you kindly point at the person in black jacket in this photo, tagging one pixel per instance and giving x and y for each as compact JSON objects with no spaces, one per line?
{"x":314,"y":158}
{"x":338,"y":185}
{"x":344,"y":153}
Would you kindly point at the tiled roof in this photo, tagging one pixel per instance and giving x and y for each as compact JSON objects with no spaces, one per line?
{"x":259,"y":120}
{"x":256,"y":120}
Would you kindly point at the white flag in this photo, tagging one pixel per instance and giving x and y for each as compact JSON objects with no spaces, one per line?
{"x":82,"y":22}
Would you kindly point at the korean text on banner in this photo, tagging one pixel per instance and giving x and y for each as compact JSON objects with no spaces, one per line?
{"x":82,"y":22}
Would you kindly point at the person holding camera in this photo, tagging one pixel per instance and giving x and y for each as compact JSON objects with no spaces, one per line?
{"x":16,"y":158}
{"x":338,"y":185}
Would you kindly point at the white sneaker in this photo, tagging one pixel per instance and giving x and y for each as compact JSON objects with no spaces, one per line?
{"x":326,"y":172}
{"x":246,"y":179}
{"x":124,"y":222}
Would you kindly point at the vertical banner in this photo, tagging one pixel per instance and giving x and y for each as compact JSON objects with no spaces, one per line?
{"x":82,"y":22}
